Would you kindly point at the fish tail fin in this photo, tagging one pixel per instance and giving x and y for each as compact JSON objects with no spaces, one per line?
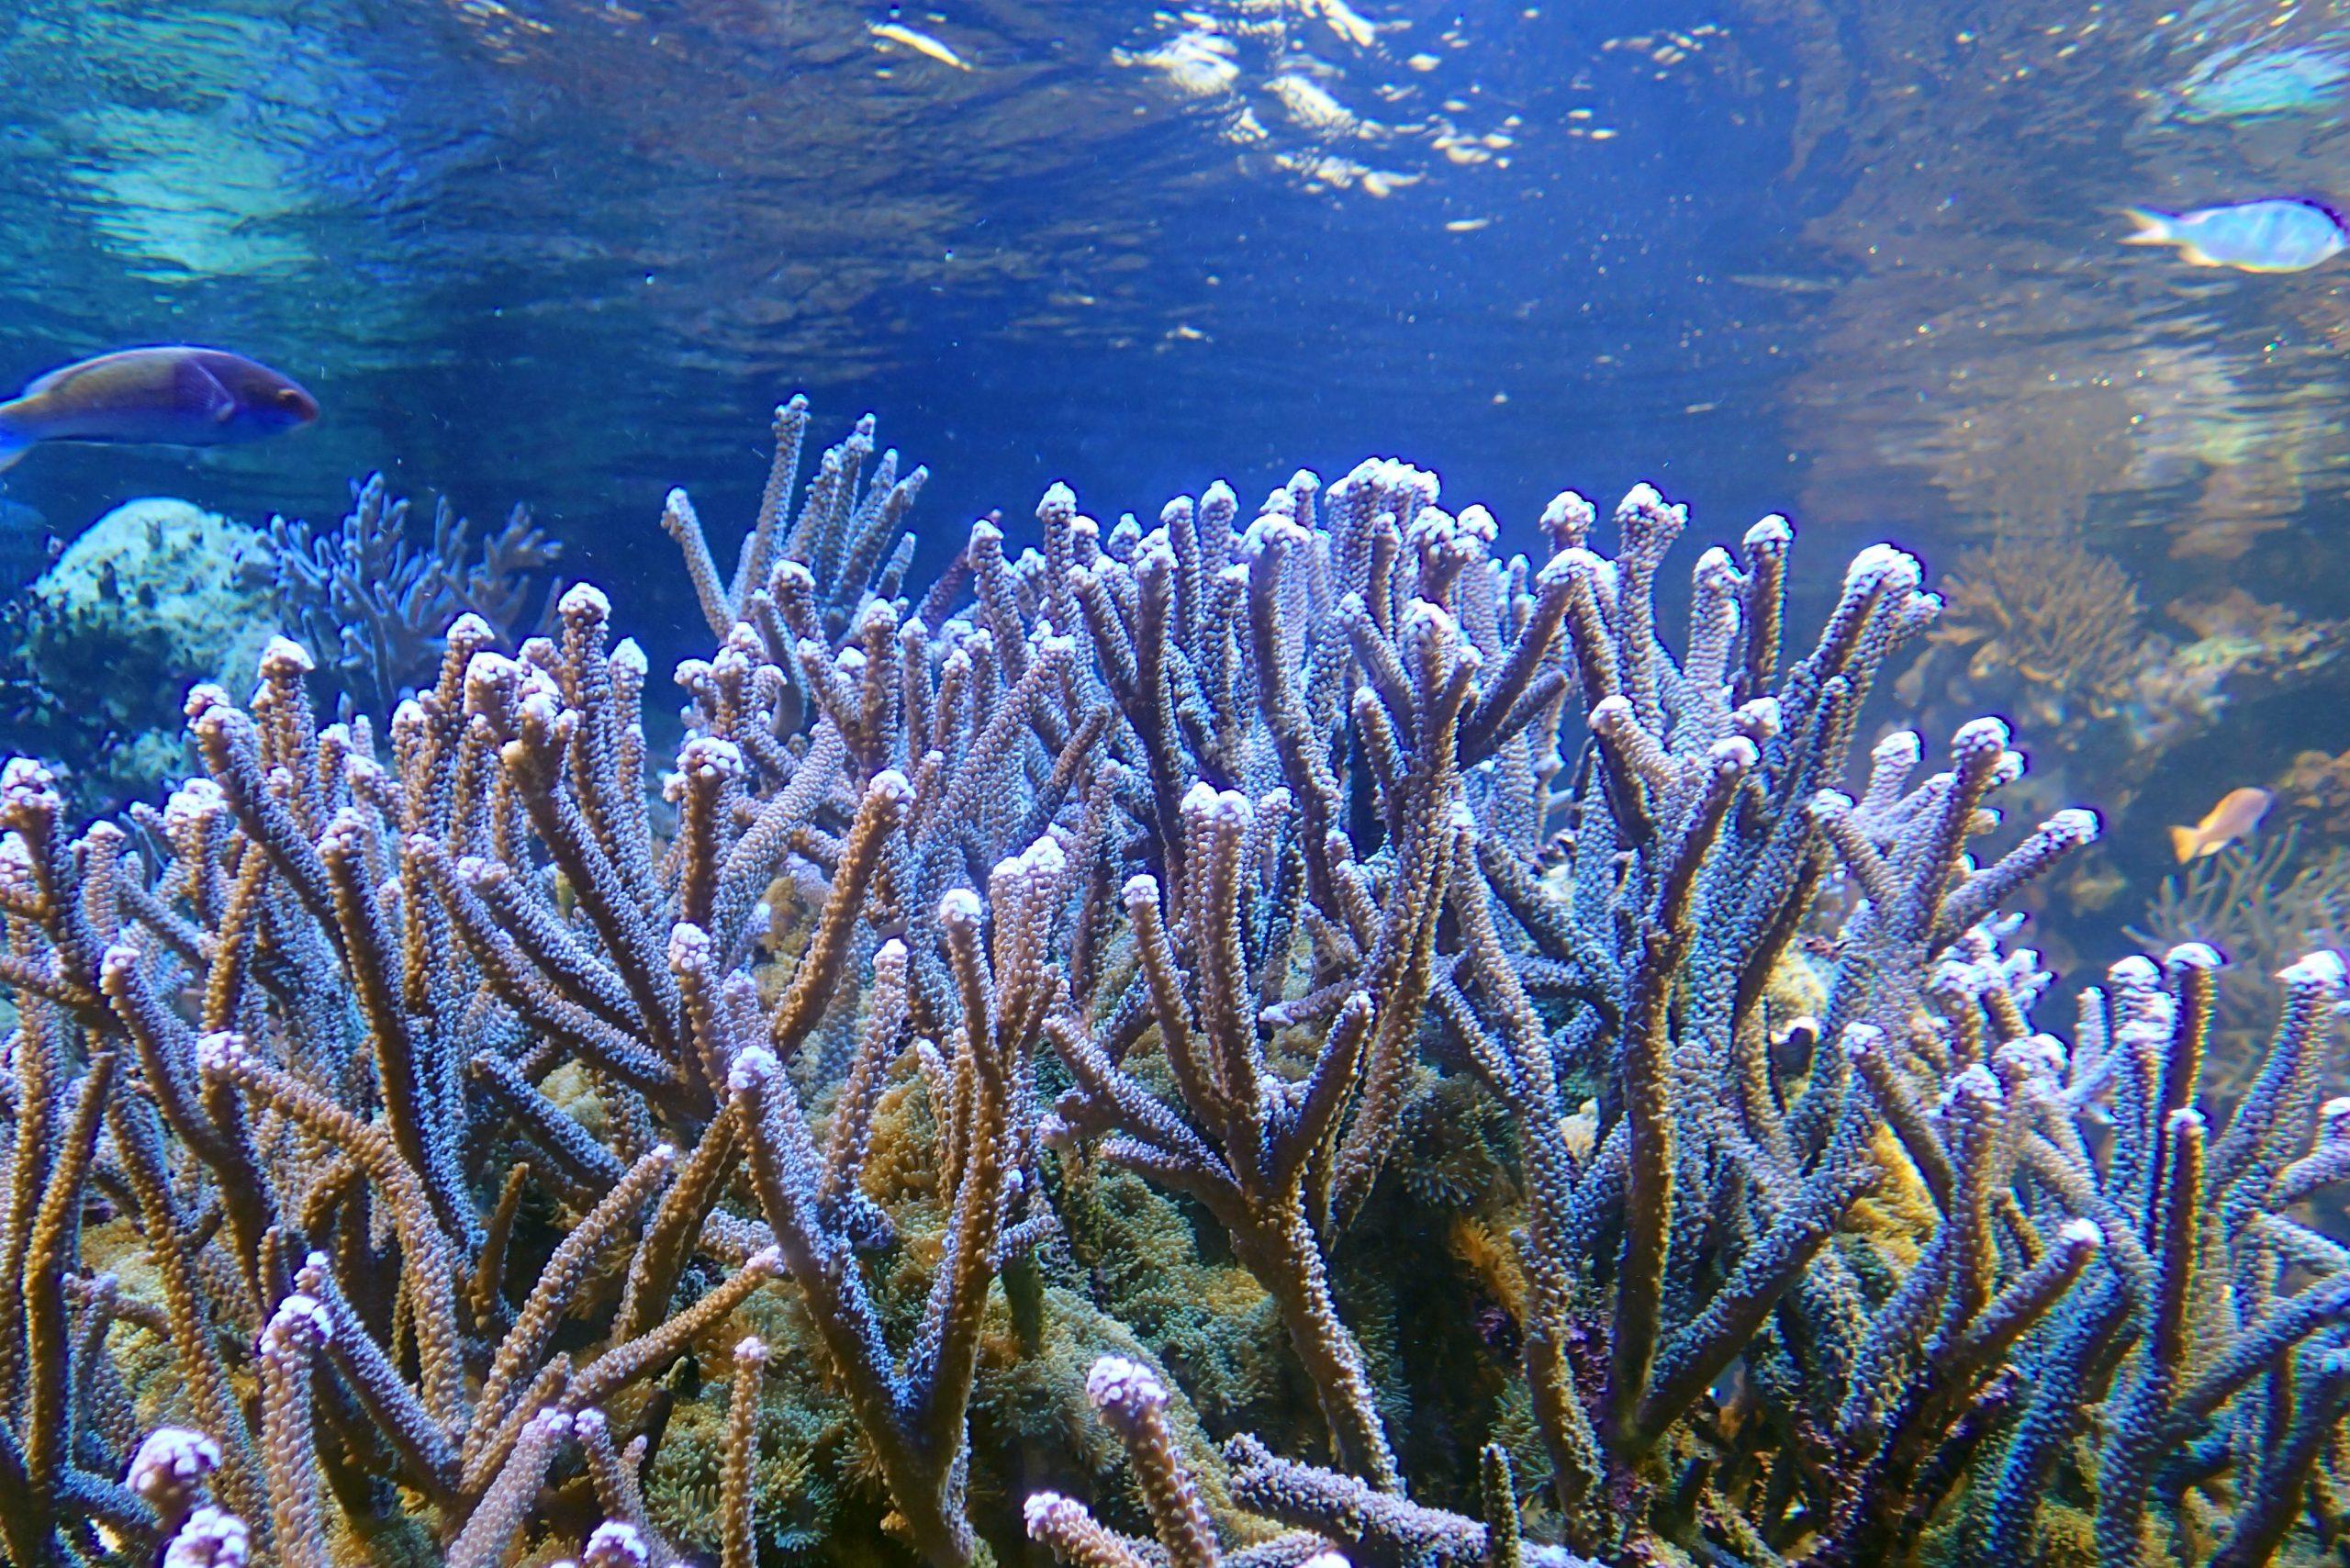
{"x":2185,"y":843}
{"x":2153,"y":227}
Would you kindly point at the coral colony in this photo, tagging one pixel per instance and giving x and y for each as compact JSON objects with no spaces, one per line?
{"x":371,"y":603}
{"x":1266,"y":1040}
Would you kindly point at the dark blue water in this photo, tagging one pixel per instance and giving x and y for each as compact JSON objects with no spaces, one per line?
{"x":570,"y":252}
{"x":1860,"y":263}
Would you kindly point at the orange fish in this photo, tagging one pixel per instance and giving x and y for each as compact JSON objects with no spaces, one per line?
{"x":2238,"y":812}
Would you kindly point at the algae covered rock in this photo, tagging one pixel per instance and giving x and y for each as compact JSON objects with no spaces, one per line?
{"x":154,"y":597}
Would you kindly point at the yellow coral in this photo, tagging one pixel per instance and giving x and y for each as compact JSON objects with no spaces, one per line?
{"x":1899,"y":1215}
{"x":1492,"y":1260}
{"x":1042,"y":1396}
{"x":573,"y":1093}
{"x":2067,"y":1536}
{"x":1795,"y":987}
{"x":898,"y":1169}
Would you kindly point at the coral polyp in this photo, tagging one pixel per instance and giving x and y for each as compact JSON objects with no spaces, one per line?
{"x":1290,"y":1037}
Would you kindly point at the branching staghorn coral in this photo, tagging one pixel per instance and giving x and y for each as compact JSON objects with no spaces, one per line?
{"x":428,"y":1121}
{"x":371,"y":603}
{"x":1373,"y":1527}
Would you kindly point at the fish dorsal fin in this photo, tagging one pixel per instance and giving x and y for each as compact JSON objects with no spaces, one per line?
{"x":49,"y":381}
{"x":198,"y":391}
{"x":159,"y":365}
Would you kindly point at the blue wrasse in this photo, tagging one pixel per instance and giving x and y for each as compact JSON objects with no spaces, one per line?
{"x":2281,"y":235}
{"x":173,"y":394}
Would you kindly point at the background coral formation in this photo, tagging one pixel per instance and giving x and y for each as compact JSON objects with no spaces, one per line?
{"x":2056,"y":633}
{"x":371,"y":596}
{"x":2261,"y":904}
{"x":1283,"y":1038}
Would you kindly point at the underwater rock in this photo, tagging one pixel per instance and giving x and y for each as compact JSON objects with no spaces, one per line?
{"x":152,"y":594}
{"x":153,"y":599}
{"x":2316,"y":789}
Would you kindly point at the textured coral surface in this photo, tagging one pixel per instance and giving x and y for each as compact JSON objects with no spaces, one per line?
{"x":1289,"y":1036}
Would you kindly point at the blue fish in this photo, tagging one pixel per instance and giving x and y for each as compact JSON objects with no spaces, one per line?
{"x":2283,"y":235}
{"x":2237,"y":83}
{"x":174,"y":394}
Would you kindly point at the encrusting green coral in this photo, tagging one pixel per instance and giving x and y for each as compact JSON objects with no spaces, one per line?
{"x":1258,"y":1042}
